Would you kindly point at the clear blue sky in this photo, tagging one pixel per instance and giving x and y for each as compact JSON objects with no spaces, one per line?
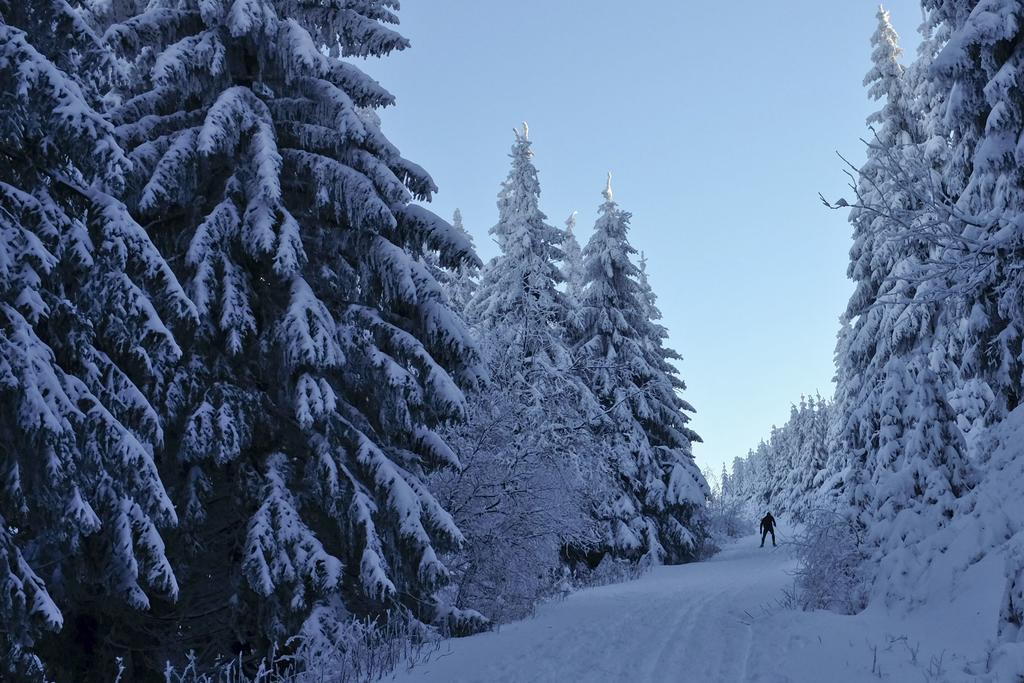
{"x":720,"y":123}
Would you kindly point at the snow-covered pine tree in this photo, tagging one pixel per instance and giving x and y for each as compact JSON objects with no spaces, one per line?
{"x":977,"y":95}
{"x":787,"y":450}
{"x":669,"y":435}
{"x":888,"y":337}
{"x":792,"y":445}
{"x":306,"y":409}
{"x":763,"y":473}
{"x":572,"y":261}
{"x":655,"y":511}
{"x":649,"y":300}
{"x":518,"y":292}
{"x":529,"y":456}
{"x":883,"y":268}
{"x":978,"y":78}
{"x":86,"y":310}
{"x":739,"y":476}
{"x":919,"y":468}
{"x":807,"y":474}
{"x":518,"y":307}
{"x":460,"y":284}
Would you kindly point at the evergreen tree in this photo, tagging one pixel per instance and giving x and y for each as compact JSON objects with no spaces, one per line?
{"x":888,"y":341}
{"x":655,"y":513}
{"x":518,"y":288}
{"x":305,"y":411}
{"x":460,"y":284}
{"x":529,"y":457}
{"x":810,"y":467}
{"x":980,"y":97}
{"x":786,"y":454}
{"x":919,"y":463}
{"x":739,"y":476}
{"x":86,"y":310}
{"x":572,"y":261}
{"x":882,"y":319}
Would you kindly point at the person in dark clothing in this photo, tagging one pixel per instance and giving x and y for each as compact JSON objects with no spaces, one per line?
{"x":767,"y":527}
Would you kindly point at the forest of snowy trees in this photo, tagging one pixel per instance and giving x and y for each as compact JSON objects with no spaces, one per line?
{"x":256,"y":401}
{"x":253,"y":395}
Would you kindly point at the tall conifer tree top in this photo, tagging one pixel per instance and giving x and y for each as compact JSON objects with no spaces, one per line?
{"x":518,"y":288}
{"x":573,"y":260}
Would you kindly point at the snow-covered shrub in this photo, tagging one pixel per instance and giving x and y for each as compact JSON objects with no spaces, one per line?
{"x":727,"y":519}
{"x":832,"y":573}
{"x":517,"y":500}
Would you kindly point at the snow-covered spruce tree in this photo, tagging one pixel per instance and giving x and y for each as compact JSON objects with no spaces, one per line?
{"x":977,"y":76}
{"x":460,"y":285}
{"x":738,"y":479}
{"x":305,"y":411}
{"x":655,"y":511}
{"x":670,"y":437}
{"x":763,"y":483}
{"x":787,"y":445}
{"x":527,"y":452}
{"x":806,"y":474}
{"x":886,"y":346}
{"x":882,"y":319}
{"x":919,"y":467}
{"x":518,"y":292}
{"x":85,"y":344}
{"x":572,"y":262}
{"x":976,"y":81}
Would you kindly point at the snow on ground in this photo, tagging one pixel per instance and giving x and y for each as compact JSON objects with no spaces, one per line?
{"x":724,"y":620}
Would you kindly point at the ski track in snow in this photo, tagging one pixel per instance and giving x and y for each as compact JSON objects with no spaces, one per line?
{"x":720,"y":621}
{"x":681,"y":623}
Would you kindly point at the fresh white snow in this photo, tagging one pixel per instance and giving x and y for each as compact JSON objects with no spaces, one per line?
{"x":725,"y":620}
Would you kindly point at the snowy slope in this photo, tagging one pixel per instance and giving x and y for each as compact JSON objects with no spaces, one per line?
{"x":721,"y":620}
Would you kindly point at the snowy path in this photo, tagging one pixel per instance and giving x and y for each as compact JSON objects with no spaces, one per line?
{"x":684,"y":623}
{"x":719,"y":622}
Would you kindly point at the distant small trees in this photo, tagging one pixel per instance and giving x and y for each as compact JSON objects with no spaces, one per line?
{"x":786,"y":472}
